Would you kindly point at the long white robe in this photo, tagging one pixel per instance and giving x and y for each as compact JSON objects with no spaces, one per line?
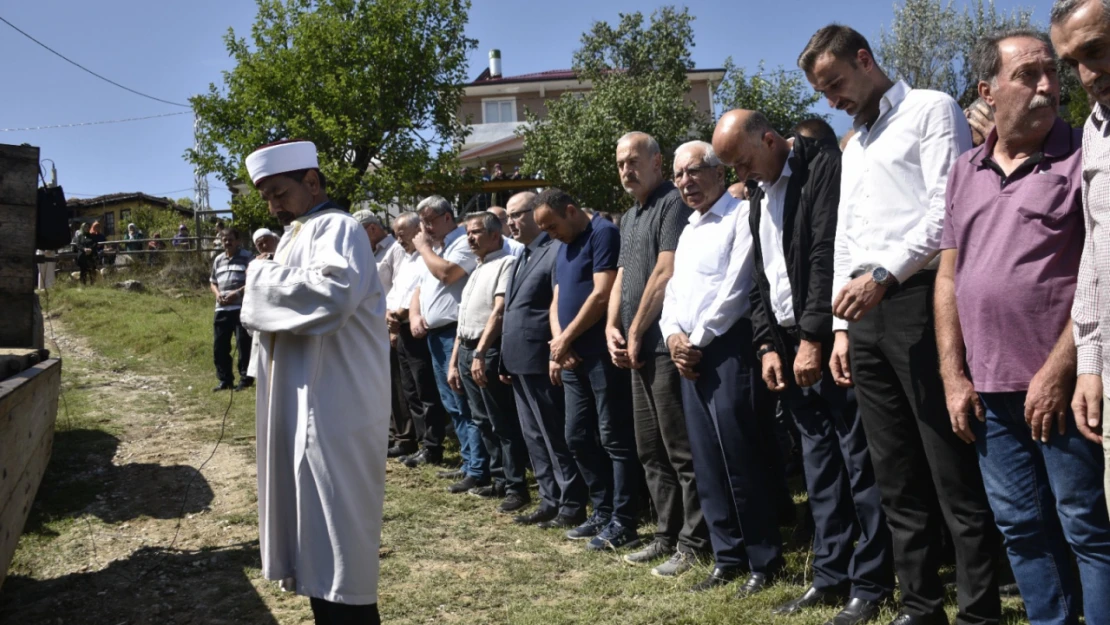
{"x":323,"y":408}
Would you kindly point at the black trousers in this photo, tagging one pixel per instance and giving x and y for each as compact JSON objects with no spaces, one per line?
{"x":734,"y":454}
{"x":226,"y":326}
{"x":663,"y":447}
{"x":402,"y":430}
{"x":419,"y":383}
{"x":916,"y":456}
{"x":494,"y":412}
{"x":328,"y":613}
{"x":852,"y":549}
{"x":542,"y":411}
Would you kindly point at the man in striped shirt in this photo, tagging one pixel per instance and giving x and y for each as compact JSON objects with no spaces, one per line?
{"x":229,"y":277}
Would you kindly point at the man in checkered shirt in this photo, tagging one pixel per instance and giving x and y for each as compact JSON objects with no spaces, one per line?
{"x":1081,"y":34}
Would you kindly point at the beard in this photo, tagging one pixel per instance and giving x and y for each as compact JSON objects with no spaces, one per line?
{"x":285,"y":217}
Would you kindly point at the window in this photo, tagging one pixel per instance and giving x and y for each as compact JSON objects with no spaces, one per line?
{"x":125,"y":215}
{"x":109,"y":224}
{"x":497,"y":111}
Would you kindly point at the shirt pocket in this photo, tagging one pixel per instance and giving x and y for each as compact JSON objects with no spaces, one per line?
{"x":712,"y":259}
{"x":1045,"y":198}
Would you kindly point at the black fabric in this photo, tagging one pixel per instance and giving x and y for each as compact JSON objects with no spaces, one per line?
{"x":418,"y":379}
{"x":52,"y":219}
{"x":916,"y":456}
{"x":494,"y":412}
{"x":527,"y":320}
{"x":329,"y":613}
{"x":225,"y":326}
{"x":809,"y":230}
{"x":402,"y":429}
{"x":542,"y":411}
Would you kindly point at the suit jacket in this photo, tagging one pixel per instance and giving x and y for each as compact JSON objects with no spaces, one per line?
{"x":809,"y":231}
{"x":526,"y":328}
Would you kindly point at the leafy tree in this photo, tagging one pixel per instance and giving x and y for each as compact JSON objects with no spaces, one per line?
{"x":375,"y":84}
{"x":639,"y":81}
{"x":784,"y":97}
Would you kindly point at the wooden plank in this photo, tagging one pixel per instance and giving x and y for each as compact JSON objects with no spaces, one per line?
{"x":17,"y":328}
{"x":19,"y":173}
{"x":14,"y":360}
{"x":14,"y":512}
{"x":17,"y":234}
{"x":28,"y":405}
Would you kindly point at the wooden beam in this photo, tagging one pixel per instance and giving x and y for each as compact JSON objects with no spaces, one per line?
{"x":19,"y":173}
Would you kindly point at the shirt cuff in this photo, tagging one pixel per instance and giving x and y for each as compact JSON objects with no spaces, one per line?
{"x":668,"y":329}
{"x":839,"y":324}
{"x":905,"y":266}
{"x":701,"y":337}
{"x":1088,"y":359}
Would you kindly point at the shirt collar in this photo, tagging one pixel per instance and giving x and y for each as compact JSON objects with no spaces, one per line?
{"x":537,"y":242}
{"x":1099,"y":115}
{"x":1057,"y":144}
{"x":659,"y":191}
{"x":452,"y":236}
{"x":719,"y":208}
{"x":385,"y":243}
{"x":494,"y":255}
{"x":786,"y":172}
{"x":892,"y":98}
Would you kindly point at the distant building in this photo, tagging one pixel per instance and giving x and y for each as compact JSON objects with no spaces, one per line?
{"x":115,"y":210}
{"x":495,"y":104}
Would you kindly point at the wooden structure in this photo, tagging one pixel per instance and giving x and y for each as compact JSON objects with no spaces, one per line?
{"x":29,"y":381}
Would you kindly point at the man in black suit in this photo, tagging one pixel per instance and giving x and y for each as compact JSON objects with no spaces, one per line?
{"x":536,"y":379}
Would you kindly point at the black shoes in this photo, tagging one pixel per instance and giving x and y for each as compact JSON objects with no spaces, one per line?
{"x":398,"y":451}
{"x":540,"y":515}
{"x":451,"y":474}
{"x":755,"y":584}
{"x":514,"y":502}
{"x":464,"y":485}
{"x":717,"y":577}
{"x":562,"y":522}
{"x":811,"y":598}
{"x":909,"y":619}
{"x":244,"y":384}
{"x":495,"y":490}
{"x":857,"y":612}
{"x":424,"y":456}
{"x":225,"y":386}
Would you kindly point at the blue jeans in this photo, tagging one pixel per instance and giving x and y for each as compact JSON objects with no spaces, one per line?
{"x":441,"y":342}
{"x":1046,"y":496}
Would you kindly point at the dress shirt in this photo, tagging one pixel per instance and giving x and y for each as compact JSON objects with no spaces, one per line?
{"x":512,"y":247}
{"x":774,"y":254}
{"x":892,"y":185}
{"x":405,"y":281}
{"x":439,"y":303}
{"x":1090,"y":313}
{"x":488,"y":280}
{"x":388,"y":254}
{"x":708,"y":292}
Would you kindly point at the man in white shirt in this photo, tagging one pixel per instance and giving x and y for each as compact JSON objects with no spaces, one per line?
{"x":323,"y":378}
{"x":434,"y":313}
{"x":894,"y":172}
{"x":386,"y":251}
{"x":705,"y":324}
{"x":793,"y":213}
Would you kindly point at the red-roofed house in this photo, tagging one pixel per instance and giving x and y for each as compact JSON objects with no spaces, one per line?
{"x":495,"y":104}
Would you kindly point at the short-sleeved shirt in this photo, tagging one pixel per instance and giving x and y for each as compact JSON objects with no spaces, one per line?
{"x":489,"y":279}
{"x":230,"y":274}
{"x":439,"y":303}
{"x":1019,"y":238}
{"x":596,"y":249}
{"x":646,"y":231}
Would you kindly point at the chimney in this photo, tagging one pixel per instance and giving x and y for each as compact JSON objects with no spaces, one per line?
{"x":495,"y":63}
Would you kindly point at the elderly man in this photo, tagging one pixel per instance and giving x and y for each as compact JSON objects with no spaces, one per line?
{"x":649,"y":235}
{"x":413,"y":358}
{"x":434,"y":314}
{"x":597,"y":391}
{"x":265,"y":241}
{"x":386,"y":251}
{"x":887,"y":238}
{"x":228,"y":279}
{"x":512,"y":246}
{"x":476,"y":358}
{"x":536,"y":379}
{"x":323,"y":381}
{"x":793,"y":216}
{"x":1081,"y":33}
{"x":1010,"y":397}
{"x":704,"y":321}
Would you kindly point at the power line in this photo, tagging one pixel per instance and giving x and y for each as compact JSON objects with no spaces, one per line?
{"x":108,"y":121}
{"x":75,"y":63}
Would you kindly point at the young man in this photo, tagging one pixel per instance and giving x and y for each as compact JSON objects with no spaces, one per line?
{"x":229,"y":277}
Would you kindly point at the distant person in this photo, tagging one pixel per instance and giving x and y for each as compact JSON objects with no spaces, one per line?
{"x":817,"y":129}
{"x":516,"y":174}
{"x":265,"y":241}
{"x":96,"y":233}
{"x":497,"y":173}
{"x":134,"y":238}
{"x":181,"y":239}
{"x":229,"y":278}
{"x":86,"y":254}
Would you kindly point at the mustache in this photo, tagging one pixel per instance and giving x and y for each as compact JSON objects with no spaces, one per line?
{"x":1041,"y":101}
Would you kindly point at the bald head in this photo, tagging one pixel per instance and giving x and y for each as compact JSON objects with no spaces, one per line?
{"x":503,"y":216}
{"x":522,"y":223}
{"x":640,"y":164}
{"x":745,"y":141}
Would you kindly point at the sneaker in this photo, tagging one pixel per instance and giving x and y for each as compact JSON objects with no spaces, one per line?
{"x":514,"y":502}
{"x":679,"y":563}
{"x":561,"y":522}
{"x":589,"y":528}
{"x":614,"y":536}
{"x":463,"y":485}
{"x":495,"y":490}
{"x":656,"y":549}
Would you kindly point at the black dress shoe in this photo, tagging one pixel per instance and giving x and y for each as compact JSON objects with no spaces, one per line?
{"x":226,"y":386}
{"x":398,"y":451}
{"x":514,"y":502}
{"x":539,"y":515}
{"x":562,"y":522}
{"x":909,"y":619}
{"x":244,"y":385}
{"x":857,"y":612}
{"x":755,"y":584}
{"x":424,"y":456}
{"x":717,"y":577}
{"x":811,"y":598}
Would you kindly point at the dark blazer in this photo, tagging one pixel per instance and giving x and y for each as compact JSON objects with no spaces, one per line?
{"x":526,"y":328}
{"x":809,"y":231}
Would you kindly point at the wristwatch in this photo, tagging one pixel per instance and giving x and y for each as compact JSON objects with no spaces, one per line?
{"x":763,"y":351}
{"x":883,"y":277}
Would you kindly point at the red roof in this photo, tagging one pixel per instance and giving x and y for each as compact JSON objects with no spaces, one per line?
{"x":551,"y":74}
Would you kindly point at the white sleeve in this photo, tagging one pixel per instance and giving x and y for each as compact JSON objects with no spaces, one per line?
{"x":730,"y":302}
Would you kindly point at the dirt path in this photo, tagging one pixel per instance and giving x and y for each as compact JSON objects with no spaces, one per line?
{"x":97,"y":548}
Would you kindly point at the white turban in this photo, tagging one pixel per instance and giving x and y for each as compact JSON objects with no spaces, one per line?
{"x":281,"y":158}
{"x":263,"y":232}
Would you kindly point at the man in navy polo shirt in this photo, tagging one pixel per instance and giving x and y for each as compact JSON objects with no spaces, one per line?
{"x":598,"y":394}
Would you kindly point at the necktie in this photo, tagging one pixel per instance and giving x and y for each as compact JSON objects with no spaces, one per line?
{"x":523,"y":261}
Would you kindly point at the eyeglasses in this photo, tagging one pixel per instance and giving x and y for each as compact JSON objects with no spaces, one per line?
{"x":517,"y":215}
{"x":690,"y":171}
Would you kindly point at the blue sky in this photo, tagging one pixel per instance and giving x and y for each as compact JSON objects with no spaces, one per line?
{"x":173,"y":49}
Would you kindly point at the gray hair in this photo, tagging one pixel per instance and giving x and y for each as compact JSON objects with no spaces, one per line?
{"x":1062,"y":9}
{"x":490,"y":222}
{"x":708,"y":156}
{"x":366,"y":217}
{"x":986,"y":59}
{"x":652,"y":144}
{"x":437,"y":203}
{"x":407,"y":218}
{"x":757,"y":125}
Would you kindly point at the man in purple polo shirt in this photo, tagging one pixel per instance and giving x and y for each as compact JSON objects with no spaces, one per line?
{"x":1013,"y":235}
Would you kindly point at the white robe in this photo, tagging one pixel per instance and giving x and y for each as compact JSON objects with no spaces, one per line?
{"x":323,"y":408}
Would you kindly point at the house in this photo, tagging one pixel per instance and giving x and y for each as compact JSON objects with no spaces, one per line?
{"x":115,"y":210}
{"x":494,"y":104}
